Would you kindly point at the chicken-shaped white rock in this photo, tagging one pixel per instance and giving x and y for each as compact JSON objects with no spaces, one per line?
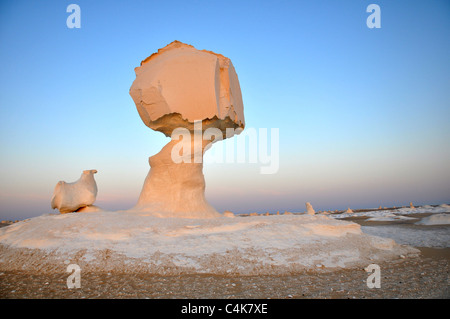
{"x":69,"y":197}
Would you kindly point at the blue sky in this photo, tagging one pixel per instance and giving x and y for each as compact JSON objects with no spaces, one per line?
{"x":362,"y":113}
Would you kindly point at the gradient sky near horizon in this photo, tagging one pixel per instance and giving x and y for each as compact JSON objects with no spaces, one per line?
{"x":363,"y":114}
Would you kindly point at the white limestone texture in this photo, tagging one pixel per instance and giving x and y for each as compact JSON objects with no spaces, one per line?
{"x":136,"y":242}
{"x":174,"y":88}
{"x":183,"y":82}
{"x":438,"y":219}
{"x":69,"y":197}
{"x":377,"y":215}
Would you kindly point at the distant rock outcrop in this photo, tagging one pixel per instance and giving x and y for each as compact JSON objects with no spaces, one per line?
{"x":229,"y":214}
{"x":309,"y":209}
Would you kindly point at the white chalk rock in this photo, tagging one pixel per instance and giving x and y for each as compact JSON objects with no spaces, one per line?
{"x":309,"y":209}
{"x":180,"y":87}
{"x":69,"y":197}
{"x":180,"y":84}
{"x":438,"y":219}
{"x":90,"y":209}
{"x":137,"y":243}
{"x":229,"y":214}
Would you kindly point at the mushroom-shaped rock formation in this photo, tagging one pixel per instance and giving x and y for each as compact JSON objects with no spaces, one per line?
{"x":69,"y":197}
{"x":190,"y":91}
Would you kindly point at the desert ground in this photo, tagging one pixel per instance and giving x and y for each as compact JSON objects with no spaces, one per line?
{"x":425,"y":275}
